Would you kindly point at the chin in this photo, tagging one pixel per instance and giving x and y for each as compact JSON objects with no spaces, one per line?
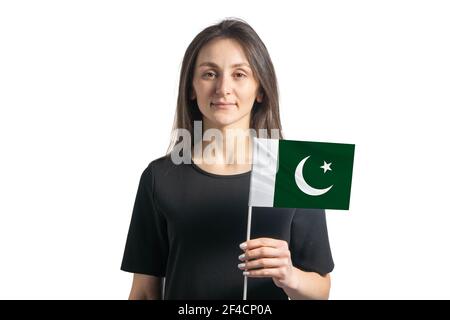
{"x":219,"y":124}
{"x":223,"y":121}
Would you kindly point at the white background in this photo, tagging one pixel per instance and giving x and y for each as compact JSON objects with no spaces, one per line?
{"x":87,"y":97}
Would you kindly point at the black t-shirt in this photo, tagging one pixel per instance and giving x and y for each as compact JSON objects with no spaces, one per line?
{"x":187,"y":225}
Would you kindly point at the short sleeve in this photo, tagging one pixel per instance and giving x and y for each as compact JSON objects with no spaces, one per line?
{"x":309,"y":245}
{"x":146,"y":247}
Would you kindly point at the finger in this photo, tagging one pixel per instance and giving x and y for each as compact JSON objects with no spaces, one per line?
{"x":263,"y":242}
{"x":263,"y":252}
{"x":262,"y":263}
{"x":263,"y":273}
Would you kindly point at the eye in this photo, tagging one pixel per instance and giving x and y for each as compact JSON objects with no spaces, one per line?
{"x":241,"y":75}
{"x":209,"y":75}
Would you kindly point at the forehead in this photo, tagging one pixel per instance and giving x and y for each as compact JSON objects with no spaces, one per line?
{"x":222,"y":52}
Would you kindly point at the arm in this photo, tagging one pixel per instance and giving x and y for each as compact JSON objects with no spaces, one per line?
{"x":310,"y":285}
{"x":145,"y":287}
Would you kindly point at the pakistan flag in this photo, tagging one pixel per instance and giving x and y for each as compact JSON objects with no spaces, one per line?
{"x":301,"y":174}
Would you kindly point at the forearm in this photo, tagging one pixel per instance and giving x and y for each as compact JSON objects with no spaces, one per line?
{"x":145,"y":287}
{"x":142,"y":295}
{"x":308,"y":285}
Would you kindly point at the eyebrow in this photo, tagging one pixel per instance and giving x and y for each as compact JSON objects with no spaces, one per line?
{"x":212,"y":64}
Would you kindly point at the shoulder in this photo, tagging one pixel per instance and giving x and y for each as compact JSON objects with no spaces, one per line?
{"x":158,"y":165}
{"x":159,"y":168}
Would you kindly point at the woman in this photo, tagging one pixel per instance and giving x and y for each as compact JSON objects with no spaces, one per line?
{"x":189,"y":220}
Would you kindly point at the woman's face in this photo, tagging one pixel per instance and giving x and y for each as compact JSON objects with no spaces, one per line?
{"x":224,"y":85}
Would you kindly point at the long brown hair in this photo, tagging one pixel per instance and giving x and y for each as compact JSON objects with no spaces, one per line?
{"x":264,"y":115}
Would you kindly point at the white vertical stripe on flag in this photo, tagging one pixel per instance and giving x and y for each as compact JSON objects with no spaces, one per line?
{"x":264,"y":171}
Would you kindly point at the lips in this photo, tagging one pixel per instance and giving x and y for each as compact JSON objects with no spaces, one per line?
{"x":222,"y":105}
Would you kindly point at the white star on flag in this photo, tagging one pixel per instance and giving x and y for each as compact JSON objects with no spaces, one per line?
{"x":326,"y":166}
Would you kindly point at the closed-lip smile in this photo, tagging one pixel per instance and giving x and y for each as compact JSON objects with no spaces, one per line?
{"x":223,"y":104}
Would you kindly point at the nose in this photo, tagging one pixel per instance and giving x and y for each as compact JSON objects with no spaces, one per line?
{"x":223,"y":86}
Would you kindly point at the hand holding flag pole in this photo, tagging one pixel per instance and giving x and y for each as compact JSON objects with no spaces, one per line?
{"x":249,"y":222}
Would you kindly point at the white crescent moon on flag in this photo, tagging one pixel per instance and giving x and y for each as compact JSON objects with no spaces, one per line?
{"x":303,"y":185}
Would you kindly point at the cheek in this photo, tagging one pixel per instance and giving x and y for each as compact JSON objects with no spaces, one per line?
{"x":248,"y":93}
{"x":203,"y":93}
{"x":202,"y":88}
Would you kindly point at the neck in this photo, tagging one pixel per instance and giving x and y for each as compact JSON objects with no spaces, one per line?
{"x":228,"y":145}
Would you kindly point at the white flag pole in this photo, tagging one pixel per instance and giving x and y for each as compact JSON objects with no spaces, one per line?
{"x":249,"y":217}
{"x":249,"y":223}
